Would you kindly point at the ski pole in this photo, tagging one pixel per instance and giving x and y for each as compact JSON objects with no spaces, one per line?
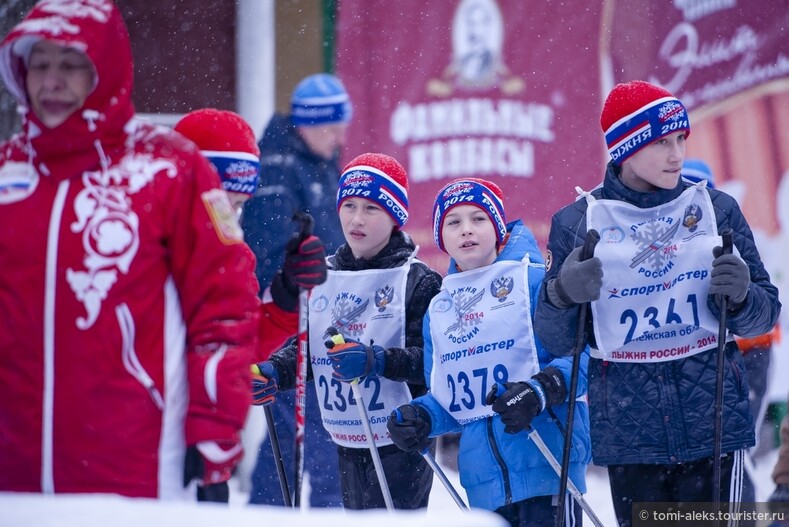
{"x":444,"y":480}
{"x":592,"y":237}
{"x":275,"y":448}
{"x":726,"y":236}
{"x":368,"y":430}
{"x":437,"y":469}
{"x":535,"y":436}
{"x":301,"y":368}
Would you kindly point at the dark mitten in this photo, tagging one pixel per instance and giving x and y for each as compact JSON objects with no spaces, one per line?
{"x":304,"y":268}
{"x":579,"y":281}
{"x":730,"y":277}
{"x":521,"y":402}
{"x":218,"y":493}
{"x":353,"y":360}
{"x":264,"y":383}
{"x":410,"y":425}
{"x":305,"y":263}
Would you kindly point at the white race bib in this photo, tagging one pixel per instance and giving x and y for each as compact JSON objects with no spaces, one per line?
{"x":656,"y":263}
{"x":362,"y":305}
{"x":481,"y":329}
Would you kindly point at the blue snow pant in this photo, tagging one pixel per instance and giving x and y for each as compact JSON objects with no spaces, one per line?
{"x":320,"y":455}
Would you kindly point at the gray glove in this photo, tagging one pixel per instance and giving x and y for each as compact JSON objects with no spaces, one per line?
{"x":730,"y":277}
{"x":578,"y":281}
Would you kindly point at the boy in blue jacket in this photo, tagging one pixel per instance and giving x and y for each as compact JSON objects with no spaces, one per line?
{"x":472,"y":342}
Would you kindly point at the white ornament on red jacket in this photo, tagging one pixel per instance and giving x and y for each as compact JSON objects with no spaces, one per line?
{"x":110,"y":227}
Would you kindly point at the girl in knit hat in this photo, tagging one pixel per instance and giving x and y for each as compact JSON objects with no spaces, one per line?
{"x":654,"y":284}
{"x":480,"y":334}
{"x":375,"y":297}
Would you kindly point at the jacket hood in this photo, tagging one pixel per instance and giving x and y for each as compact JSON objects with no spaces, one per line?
{"x":96,"y":28}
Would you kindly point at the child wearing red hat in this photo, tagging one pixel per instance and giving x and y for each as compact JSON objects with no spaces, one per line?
{"x":376,"y":289}
{"x":480,"y":334}
{"x":654,"y":285}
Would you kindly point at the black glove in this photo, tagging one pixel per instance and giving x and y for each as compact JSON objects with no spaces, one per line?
{"x":304,"y":267}
{"x":212,"y":476}
{"x":520,"y":402}
{"x":410,"y":426}
{"x":579,"y":281}
{"x":730,"y":277}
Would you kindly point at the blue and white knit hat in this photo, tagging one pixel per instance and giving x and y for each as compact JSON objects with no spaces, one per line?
{"x":320,"y":99}
{"x":638,"y":113}
{"x":470,"y":191}
{"x":379,"y":178}
{"x":696,"y":170}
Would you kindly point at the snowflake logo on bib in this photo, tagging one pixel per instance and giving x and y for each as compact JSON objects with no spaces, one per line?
{"x":654,"y":240}
{"x":464,"y":300}
{"x":346,"y":312}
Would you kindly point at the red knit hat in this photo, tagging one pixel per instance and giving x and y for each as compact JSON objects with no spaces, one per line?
{"x":638,"y":113}
{"x":228,"y":141}
{"x":470,"y":191}
{"x":379,"y":178}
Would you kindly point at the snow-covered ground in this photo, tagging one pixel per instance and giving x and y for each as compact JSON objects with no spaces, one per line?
{"x":23,"y":510}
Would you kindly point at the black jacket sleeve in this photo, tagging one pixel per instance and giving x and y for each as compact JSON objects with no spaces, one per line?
{"x":407,"y":364}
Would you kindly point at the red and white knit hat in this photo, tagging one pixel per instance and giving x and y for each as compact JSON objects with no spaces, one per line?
{"x":470,"y":191}
{"x":228,"y":141}
{"x":379,"y":178}
{"x":638,"y":113}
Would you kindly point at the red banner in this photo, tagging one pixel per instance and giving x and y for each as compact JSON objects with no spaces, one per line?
{"x":512,"y":91}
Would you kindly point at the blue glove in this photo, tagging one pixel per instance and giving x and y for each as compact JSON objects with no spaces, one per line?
{"x":410,"y":427}
{"x":730,"y":277}
{"x":264,"y":383}
{"x":353,"y":360}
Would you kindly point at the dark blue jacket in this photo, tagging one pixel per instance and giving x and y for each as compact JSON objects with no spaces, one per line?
{"x":661,"y":412}
{"x":292,"y":178}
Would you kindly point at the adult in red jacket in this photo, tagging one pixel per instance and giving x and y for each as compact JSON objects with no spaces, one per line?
{"x":128,"y":310}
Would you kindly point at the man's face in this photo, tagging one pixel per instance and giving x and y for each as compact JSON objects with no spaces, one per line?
{"x":326,"y":139}
{"x":58,"y":81}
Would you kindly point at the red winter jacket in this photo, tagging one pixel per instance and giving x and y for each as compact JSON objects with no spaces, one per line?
{"x":128,"y":301}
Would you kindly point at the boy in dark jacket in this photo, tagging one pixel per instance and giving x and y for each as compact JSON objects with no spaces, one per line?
{"x":375,"y":296}
{"x":654,"y":285}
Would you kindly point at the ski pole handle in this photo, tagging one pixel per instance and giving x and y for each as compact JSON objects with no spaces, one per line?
{"x":592,"y":238}
{"x":727,"y":241}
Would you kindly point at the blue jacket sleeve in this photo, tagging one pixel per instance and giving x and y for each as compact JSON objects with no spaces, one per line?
{"x":442,"y":421}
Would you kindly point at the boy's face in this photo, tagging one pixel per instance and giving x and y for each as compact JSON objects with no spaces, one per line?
{"x":657,"y":165}
{"x":469,"y":237}
{"x":366,"y":226}
{"x":58,"y":81}
{"x":326,"y":139}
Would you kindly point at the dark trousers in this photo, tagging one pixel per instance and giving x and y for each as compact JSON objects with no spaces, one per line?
{"x":541,"y":511}
{"x":683,"y":482}
{"x":320,"y":455}
{"x":408,"y":477}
